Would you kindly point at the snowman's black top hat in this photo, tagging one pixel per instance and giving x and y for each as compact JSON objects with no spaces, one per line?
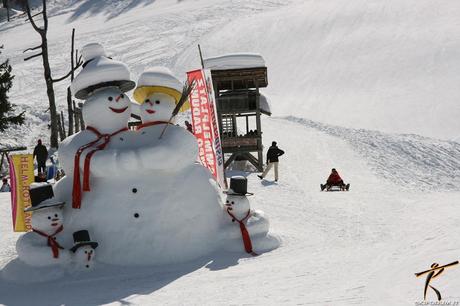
{"x":81,"y":238}
{"x":42,"y":196}
{"x":238,"y":186}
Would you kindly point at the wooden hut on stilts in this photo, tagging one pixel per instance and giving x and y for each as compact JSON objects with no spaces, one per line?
{"x":237,"y":79}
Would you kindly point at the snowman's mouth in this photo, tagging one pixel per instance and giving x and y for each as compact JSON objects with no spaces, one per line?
{"x":150,"y":111}
{"x":118,"y":110}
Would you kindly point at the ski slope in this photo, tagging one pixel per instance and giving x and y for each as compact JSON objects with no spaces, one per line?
{"x":360,"y":247}
{"x":368,"y":87}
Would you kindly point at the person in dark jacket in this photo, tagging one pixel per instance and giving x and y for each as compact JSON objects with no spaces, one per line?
{"x":334,"y":179}
{"x":5,"y":186}
{"x":272,"y":160}
{"x":41,"y":153}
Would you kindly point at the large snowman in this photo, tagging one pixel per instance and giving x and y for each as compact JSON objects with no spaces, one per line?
{"x":142,"y":197}
{"x":133,"y":191}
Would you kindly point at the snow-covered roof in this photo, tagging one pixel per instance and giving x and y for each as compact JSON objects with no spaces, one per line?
{"x":265,"y":105}
{"x":234,"y":61}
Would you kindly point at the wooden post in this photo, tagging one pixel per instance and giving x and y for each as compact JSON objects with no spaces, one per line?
{"x":70,"y":108}
{"x":201,"y":56}
{"x":76,"y":112}
{"x":259,"y":128}
{"x":63,"y":125}
{"x":7,"y":6}
{"x":82,"y":122}
{"x":70,"y":111}
{"x":1,"y":162}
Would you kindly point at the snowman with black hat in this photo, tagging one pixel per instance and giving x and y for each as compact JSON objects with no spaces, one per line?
{"x":253,"y":225}
{"x":237,"y":203}
{"x":84,"y":250}
{"x":42,"y":246}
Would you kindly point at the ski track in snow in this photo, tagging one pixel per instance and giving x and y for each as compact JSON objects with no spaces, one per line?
{"x":411,"y":161}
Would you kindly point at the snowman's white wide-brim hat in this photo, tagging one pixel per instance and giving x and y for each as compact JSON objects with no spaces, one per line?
{"x":100,"y":71}
{"x":159,"y":80}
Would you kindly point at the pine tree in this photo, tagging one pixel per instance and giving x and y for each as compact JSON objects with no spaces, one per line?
{"x":6,"y":81}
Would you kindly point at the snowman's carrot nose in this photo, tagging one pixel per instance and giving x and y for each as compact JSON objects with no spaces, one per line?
{"x":118,"y":98}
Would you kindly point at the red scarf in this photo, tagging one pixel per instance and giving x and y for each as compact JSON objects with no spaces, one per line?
{"x":55,"y":246}
{"x":76,"y":192}
{"x":244,"y":232}
{"x":143,"y":125}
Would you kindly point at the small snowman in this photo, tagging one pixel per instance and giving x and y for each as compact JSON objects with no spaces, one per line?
{"x":253,"y":224}
{"x":84,"y":250}
{"x":42,"y":246}
{"x":238,"y":208}
{"x":236,"y":203}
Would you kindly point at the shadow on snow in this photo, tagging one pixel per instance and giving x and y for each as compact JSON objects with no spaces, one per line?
{"x":106,"y":284}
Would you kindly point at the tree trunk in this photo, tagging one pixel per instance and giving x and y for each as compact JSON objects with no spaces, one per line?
{"x":50,"y":92}
{"x":70,"y":111}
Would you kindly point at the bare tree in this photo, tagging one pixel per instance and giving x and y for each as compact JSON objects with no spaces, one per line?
{"x":70,"y":102}
{"x":49,"y":80}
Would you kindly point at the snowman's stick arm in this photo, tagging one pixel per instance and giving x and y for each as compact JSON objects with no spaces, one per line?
{"x":186,"y":90}
{"x":166,"y":126}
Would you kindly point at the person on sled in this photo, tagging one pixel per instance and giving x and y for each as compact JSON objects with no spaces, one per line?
{"x":334,"y":179}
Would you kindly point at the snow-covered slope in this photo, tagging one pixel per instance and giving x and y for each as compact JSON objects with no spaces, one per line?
{"x":384,"y":65}
{"x":361,"y":247}
{"x":346,"y":80}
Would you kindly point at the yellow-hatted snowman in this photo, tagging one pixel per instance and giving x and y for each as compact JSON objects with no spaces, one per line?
{"x":158,"y":92}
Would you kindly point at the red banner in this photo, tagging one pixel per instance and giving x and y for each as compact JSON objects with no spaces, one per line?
{"x":205,"y":126}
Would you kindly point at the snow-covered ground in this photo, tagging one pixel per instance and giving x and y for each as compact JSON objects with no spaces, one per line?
{"x":368,"y":87}
{"x":361,"y":247}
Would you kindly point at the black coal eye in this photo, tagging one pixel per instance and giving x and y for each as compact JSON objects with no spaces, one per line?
{"x":122,"y":96}
{"x":86,"y":252}
{"x":147,"y":100}
{"x":157,"y":101}
{"x":110,"y":98}
{"x":228,"y":201}
{"x":55,"y":215}
{"x":49,"y":218}
{"x":233,"y":202}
